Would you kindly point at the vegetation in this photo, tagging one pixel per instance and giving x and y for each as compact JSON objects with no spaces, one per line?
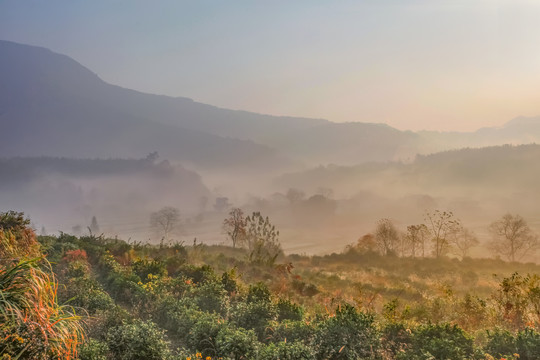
{"x":171,"y":301}
{"x":512,"y":237}
{"x":33,"y":324}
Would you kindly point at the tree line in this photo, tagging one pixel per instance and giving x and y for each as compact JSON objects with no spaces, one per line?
{"x":443,"y":234}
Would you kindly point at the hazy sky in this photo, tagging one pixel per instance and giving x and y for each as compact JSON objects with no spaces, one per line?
{"x":446,"y":65}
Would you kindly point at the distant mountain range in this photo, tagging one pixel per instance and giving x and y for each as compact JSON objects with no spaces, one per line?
{"x":495,"y":171}
{"x":51,"y":105}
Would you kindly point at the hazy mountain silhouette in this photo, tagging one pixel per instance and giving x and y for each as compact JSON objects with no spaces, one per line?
{"x":498,"y":170}
{"x":51,"y":105}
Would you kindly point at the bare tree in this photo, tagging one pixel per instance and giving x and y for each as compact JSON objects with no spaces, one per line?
{"x":387,"y":236}
{"x":165,"y":221}
{"x":512,"y":237}
{"x":462,"y":240}
{"x":416,"y":239}
{"x":441,"y":225}
{"x":235,"y":226}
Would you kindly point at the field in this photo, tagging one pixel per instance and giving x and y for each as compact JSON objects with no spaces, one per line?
{"x":123,"y":300}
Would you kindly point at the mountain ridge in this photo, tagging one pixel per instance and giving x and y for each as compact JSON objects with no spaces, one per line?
{"x":52,"y":105}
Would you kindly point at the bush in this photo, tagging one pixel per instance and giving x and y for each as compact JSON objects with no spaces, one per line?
{"x":197,"y":273}
{"x":526,"y":343}
{"x":32,"y":324}
{"x":17,"y":239}
{"x":178,"y":317}
{"x":203,"y":334}
{"x":93,"y":350}
{"x":236,"y":343}
{"x":286,"y":351}
{"x":288,"y":310}
{"x":500,"y":343}
{"x":439,"y":342}
{"x":210,"y":297}
{"x":291,"y":331}
{"x":259,"y":293}
{"x":140,"y":340}
{"x":396,"y":338}
{"x":228,"y":280}
{"x":253,"y":315}
{"x":348,"y":335}
{"x":144,"y":267}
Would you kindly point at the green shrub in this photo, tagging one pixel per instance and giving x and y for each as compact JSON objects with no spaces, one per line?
{"x":526,"y":343}
{"x":140,"y":340}
{"x":347,"y":335}
{"x":197,"y":273}
{"x":288,"y":310}
{"x":236,"y":344}
{"x":178,"y":317}
{"x":439,"y":342}
{"x":228,"y":280}
{"x":254,"y":315}
{"x":259,"y":292}
{"x":93,"y":350}
{"x":500,"y":343}
{"x":144,"y":267}
{"x":291,"y":331}
{"x":286,"y":351}
{"x":396,"y":338}
{"x":210,"y":297}
{"x":203,"y":334}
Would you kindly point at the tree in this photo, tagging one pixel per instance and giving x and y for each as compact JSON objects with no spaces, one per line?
{"x":165,"y":221}
{"x":235,"y":226}
{"x":512,"y":237}
{"x":364,"y":244}
{"x":152,"y":157}
{"x":262,"y":239}
{"x":295,"y":195}
{"x":441,"y":225}
{"x":462,"y":240}
{"x":416,"y":239}
{"x":94,"y":227}
{"x":386,"y":236}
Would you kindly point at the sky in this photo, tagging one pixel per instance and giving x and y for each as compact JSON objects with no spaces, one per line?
{"x":434,"y":65}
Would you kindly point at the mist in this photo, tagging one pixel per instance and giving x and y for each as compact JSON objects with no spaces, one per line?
{"x":75,"y":147}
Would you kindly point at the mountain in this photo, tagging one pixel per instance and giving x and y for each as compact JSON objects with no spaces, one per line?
{"x":63,"y":192}
{"x":51,"y":105}
{"x":497,"y":170}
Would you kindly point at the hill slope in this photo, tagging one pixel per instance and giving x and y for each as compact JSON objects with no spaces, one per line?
{"x":51,"y":105}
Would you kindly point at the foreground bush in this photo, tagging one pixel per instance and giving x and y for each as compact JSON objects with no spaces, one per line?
{"x":502,"y":343}
{"x":350,"y":334}
{"x":140,"y":340}
{"x":439,"y":342}
{"x":32,"y":323}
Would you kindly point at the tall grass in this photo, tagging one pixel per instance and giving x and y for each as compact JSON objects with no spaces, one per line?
{"x":32,"y":324}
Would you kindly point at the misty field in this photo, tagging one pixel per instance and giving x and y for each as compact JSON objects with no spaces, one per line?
{"x":269,"y":180}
